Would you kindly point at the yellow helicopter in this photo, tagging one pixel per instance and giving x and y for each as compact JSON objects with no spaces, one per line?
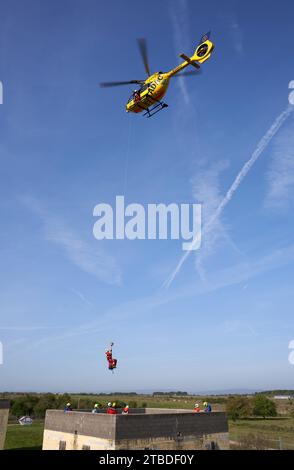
{"x":148,"y":97}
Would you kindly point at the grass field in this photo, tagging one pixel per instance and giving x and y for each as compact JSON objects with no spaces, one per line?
{"x":272,"y":433}
{"x":182,"y":402}
{"x":24,"y":437}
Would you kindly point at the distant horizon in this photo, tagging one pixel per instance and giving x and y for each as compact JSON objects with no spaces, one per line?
{"x":150,"y":392}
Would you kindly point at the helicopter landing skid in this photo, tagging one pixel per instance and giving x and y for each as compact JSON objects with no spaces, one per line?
{"x":155,"y":107}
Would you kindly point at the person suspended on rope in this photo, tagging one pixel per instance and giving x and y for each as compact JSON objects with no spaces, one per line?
{"x":111,"y":361}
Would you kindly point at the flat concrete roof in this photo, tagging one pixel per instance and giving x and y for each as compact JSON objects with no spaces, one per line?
{"x":159,"y":423}
{"x":136,"y":411}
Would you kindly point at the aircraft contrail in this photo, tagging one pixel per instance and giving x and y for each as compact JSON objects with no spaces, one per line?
{"x":261,"y":146}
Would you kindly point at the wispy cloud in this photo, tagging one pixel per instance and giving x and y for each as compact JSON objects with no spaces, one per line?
{"x":179,"y":13}
{"x":261,"y":146}
{"x":206,"y":190}
{"x":81,"y":297}
{"x":239,"y":327}
{"x":229,"y":19}
{"x":28,"y":328}
{"x":236,"y":36}
{"x":80,"y":252}
{"x":280,"y":177}
{"x":243,"y":271}
{"x":238,"y":273}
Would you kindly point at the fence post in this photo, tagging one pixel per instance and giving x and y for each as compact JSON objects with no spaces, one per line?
{"x":280,"y":443}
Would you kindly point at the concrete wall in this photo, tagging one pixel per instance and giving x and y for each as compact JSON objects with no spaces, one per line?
{"x":216,"y":441}
{"x":168,"y":429}
{"x":77,"y":429}
{"x":119,"y":410}
{"x":4,"y":412}
{"x":165,"y":410}
{"x":171,"y":430}
{"x":169,"y":425}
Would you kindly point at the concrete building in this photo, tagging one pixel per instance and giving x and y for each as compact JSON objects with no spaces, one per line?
{"x":283,"y":397}
{"x":150,"y":428}
{"x":4,"y":412}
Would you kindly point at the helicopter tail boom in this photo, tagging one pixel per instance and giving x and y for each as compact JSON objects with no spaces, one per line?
{"x":202,"y":53}
{"x":183,"y":65}
{"x":190,"y":61}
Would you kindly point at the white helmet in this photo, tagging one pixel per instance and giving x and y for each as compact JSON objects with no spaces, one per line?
{"x":109,"y":404}
{"x":68,"y":404}
{"x":196,"y":405}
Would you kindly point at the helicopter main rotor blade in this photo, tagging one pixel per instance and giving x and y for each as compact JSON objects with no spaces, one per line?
{"x":111,"y":84}
{"x":143,"y":51}
{"x":188,"y":74}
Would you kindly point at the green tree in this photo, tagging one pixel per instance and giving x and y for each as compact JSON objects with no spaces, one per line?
{"x":46,"y":402}
{"x":263,"y":406}
{"x":62,"y":400}
{"x":120,"y":404}
{"x":291,"y":411}
{"x":238,"y":407}
{"x":24,"y":405}
{"x":85,"y":403}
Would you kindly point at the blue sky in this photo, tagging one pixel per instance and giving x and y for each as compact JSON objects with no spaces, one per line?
{"x":226,"y":319}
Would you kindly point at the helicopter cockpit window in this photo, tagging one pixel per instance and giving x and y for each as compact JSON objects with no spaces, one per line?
{"x":135,"y":95}
{"x":144,"y":87}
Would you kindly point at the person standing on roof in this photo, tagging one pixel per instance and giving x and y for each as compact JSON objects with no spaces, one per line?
{"x":108,"y":405}
{"x":125,"y":411}
{"x":207,"y":407}
{"x":112,"y":409}
{"x":96,"y":408}
{"x":197,"y":408}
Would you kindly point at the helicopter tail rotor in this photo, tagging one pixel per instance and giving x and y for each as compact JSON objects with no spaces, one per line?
{"x":143,"y":51}
{"x":204,"y":49}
